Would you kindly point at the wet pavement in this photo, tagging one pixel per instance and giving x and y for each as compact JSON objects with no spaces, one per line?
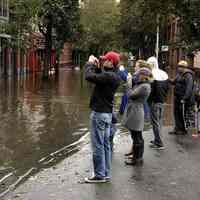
{"x":170,"y":174}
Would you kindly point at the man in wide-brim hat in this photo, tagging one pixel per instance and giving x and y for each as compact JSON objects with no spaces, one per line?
{"x":183,"y":97}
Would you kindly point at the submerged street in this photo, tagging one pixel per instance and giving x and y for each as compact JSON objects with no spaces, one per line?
{"x":39,"y":120}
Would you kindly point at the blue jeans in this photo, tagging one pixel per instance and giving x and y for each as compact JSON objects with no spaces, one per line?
{"x":100,"y":138}
{"x":157,"y":110}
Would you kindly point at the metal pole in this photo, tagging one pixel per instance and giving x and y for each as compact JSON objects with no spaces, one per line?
{"x":157,"y":34}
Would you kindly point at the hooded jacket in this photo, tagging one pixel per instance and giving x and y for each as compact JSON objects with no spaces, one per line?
{"x":160,"y":85}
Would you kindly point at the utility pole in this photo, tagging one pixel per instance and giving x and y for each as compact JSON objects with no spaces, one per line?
{"x":157,"y":34}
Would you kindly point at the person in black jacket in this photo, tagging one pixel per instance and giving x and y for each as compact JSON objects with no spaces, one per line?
{"x":183,"y":98}
{"x":159,"y":90}
{"x":106,"y":81}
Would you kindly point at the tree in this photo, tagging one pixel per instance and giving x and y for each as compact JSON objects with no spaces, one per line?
{"x":139,"y":22}
{"x":22,"y":18}
{"x":60,"y":17}
{"x":100,"y":21}
{"x":57,"y":20}
{"x":189,"y":13}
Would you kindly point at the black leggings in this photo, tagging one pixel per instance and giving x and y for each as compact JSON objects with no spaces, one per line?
{"x":138,"y":144}
{"x":137,"y":137}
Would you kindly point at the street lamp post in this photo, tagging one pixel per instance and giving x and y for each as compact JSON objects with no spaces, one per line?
{"x":157,"y":35}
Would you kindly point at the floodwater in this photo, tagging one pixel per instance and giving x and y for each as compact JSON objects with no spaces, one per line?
{"x":40,"y":122}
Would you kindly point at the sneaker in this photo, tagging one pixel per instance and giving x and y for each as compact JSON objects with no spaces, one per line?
{"x":107,"y":178}
{"x":156,"y":146}
{"x":95,"y":179}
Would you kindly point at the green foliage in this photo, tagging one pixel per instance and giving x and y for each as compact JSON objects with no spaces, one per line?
{"x":139,"y":21}
{"x":100,"y":21}
{"x":138,"y":24}
{"x":189,"y":14}
{"x":22,"y":18}
{"x":58,"y":17}
{"x":62,"y":17}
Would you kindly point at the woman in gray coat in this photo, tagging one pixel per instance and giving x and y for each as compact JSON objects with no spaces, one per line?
{"x":133,"y":118}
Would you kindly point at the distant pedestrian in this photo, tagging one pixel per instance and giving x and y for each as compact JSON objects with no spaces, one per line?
{"x":106,"y":81}
{"x":184,"y":99}
{"x":159,"y":90}
{"x":133,"y":118}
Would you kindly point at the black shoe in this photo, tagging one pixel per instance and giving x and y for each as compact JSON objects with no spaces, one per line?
{"x":128,"y":154}
{"x":172,"y":132}
{"x":177,"y":132}
{"x":155,"y":145}
{"x":134,"y":161}
{"x":95,"y":180}
{"x":181,"y":132}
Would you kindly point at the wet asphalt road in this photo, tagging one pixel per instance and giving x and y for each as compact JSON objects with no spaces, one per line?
{"x":170,"y":174}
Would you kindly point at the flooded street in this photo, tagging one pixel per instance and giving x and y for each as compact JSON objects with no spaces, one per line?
{"x":42,"y":122}
{"x":39,"y":118}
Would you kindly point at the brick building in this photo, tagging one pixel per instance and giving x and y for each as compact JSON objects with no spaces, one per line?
{"x":175,"y":52}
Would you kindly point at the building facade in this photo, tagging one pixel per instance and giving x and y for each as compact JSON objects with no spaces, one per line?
{"x":175,"y":52}
{"x":4,"y":50}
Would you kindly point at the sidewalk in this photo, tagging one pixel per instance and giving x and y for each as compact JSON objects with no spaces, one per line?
{"x":170,"y":174}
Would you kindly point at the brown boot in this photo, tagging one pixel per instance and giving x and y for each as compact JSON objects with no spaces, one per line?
{"x":138,"y":155}
{"x":134,"y":161}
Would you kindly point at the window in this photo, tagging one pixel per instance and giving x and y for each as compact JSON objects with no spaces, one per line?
{"x":4,"y":13}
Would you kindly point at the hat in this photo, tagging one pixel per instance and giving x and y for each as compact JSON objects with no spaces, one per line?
{"x":143,"y":74}
{"x":113,"y":57}
{"x":143,"y":63}
{"x":158,"y":74}
{"x":183,"y":63}
{"x":143,"y":71}
{"x":153,"y":62}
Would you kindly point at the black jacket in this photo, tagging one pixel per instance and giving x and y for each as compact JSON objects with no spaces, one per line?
{"x":159,"y":90}
{"x":184,"y":84}
{"x":106,"y":83}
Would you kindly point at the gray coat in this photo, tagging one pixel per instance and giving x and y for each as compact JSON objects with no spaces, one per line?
{"x":133,"y":118}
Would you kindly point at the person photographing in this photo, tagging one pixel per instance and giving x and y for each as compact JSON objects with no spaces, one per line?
{"x":106,"y":81}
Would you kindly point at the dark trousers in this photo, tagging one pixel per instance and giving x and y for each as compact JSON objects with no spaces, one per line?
{"x":179,"y":116}
{"x":157,"y":110}
{"x":138,"y":144}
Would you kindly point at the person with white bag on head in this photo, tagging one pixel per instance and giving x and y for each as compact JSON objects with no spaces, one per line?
{"x":159,"y":90}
